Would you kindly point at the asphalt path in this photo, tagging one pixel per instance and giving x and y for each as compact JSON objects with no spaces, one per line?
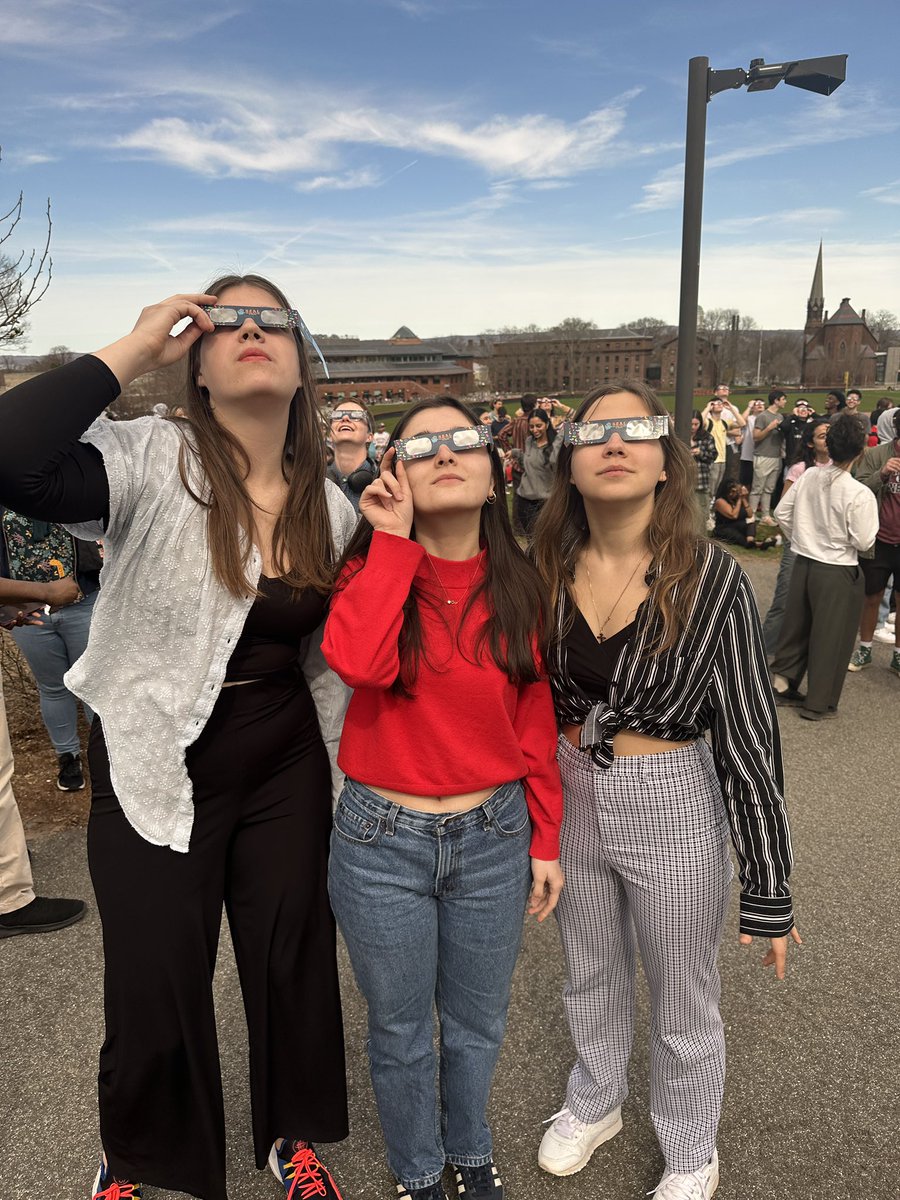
{"x":811,"y":1104}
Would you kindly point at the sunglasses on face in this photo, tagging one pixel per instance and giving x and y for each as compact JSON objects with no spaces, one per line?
{"x":426,"y":445}
{"x":347,"y":414}
{"x":629,"y":429}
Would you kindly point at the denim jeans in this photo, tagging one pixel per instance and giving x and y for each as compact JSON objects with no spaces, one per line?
{"x":775,"y":615}
{"x":431,"y":908}
{"x":50,"y":649}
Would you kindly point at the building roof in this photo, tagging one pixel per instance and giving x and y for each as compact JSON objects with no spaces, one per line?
{"x":587,"y":335}
{"x":845,"y":315}
{"x":404,"y":334}
{"x":386,"y":368}
{"x":349,"y":348}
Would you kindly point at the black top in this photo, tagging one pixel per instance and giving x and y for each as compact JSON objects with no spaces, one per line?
{"x":591,"y":663}
{"x":274,"y":630}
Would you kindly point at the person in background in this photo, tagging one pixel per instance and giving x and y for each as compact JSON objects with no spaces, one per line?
{"x":854,"y":405}
{"x":769,"y":446}
{"x":448,"y":823}
{"x":879,"y":470}
{"x":351,"y":429}
{"x":380,"y":439}
{"x":745,"y":470}
{"x":829,"y":517}
{"x":703,"y":452}
{"x":656,"y":642}
{"x":721,"y":416}
{"x":40,"y":551}
{"x":21,"y":911}
{"x":733,"y":518}
{"x":812,"y":452}
{"x":538,"y":467}
{"x":835,"y":402}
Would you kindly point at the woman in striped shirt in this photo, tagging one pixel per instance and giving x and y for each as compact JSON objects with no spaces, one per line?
{"x":658,"y":643}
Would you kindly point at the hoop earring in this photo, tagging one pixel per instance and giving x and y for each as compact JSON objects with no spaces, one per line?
{"x":491,"y":498}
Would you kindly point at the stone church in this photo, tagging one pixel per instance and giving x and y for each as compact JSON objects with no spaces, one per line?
{"x":838,"y":351}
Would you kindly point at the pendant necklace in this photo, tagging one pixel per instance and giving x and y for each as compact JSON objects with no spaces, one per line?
{"x":600,"y":635}
{"x":465,"y":597}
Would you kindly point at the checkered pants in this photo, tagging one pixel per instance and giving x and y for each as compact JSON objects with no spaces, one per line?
{"x":645,"y":844}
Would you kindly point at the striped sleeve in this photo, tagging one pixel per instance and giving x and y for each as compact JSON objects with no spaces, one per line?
{"x":747,"y":751}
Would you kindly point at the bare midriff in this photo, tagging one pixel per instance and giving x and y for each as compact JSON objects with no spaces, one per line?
{"x":435,"y":804}
{"x":627,"y":742}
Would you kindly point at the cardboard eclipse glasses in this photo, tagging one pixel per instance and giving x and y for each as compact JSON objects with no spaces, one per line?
{"x":629,"y":429}
{"x":426,"y":445}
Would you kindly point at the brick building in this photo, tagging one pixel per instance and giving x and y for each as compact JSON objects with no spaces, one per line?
{"x":838,"y":351}
{"x":707,"y":367}
{"x":553,"y":362}
{"x":402,"y":367}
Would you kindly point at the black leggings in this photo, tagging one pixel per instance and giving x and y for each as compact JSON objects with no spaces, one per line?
{"x":262,"y":802}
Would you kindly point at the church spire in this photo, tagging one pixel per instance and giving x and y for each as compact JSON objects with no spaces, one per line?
{"x":815,"y":306}
{"x":817,"y":291}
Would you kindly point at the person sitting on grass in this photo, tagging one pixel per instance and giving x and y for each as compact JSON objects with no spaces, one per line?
{"x":734,"y":521}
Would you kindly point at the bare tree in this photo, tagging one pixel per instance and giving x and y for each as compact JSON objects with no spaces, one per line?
{"x":886,"y":327}
{"x":24,"y":278}
{"x":733,"y":351}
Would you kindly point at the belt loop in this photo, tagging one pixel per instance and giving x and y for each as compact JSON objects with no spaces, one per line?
{"x":489,"y":817}
{"x":391,"y":819}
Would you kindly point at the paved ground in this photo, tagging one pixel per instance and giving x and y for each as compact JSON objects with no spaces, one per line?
{"x":811,"y":1107}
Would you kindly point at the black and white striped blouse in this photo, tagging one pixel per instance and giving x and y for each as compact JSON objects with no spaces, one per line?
{"x":714,"y":679}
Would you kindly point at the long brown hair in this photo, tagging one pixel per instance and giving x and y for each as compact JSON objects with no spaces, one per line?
{"x":302,"y":534}
{"x":513,"y":592}
{"x":561,"y":529}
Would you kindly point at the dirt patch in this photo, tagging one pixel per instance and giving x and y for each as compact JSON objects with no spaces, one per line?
{"x":44,"y":808}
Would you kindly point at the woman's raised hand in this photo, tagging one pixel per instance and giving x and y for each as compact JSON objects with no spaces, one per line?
{"x":387,"y":501}
{"x":150,"y":344}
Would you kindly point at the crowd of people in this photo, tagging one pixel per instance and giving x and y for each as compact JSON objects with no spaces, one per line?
{"x":528,"y":732}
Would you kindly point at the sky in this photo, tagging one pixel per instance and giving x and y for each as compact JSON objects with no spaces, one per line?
{"x":451,"y":165}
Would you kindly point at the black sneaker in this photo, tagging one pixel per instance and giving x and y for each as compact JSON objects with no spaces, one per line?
{"x":434,"y":1191}
{"x":41,"y":916}
{"x":301,"y":1172}
{"x":107,"y":1188}
{"x":478,"y":1183}
{"x":71,"y":776}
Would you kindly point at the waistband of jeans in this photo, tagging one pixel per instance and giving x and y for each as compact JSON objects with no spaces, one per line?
{"x":410,"y":818}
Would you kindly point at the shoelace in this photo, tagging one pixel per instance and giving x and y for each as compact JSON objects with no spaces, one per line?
{"x":117,"y":1191}
{"x":481,"y":1178}
{"x":306,"y":1177}
{"x":569,"y":1125}
{"x":679,"y":1187}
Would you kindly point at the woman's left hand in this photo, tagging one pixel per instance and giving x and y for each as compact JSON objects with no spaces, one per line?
{"x":777,"y":955}
{"x":547,"y":883}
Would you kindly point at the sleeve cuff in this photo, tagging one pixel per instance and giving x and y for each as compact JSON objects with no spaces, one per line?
{"x":766,"y":916}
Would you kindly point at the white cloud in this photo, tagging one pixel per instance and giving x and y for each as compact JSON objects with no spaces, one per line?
{"x":92,"y":25}
{"x":888,"y":193}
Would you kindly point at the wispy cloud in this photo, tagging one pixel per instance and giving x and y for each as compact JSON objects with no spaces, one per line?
{"x":567,"y":47}
{"x":819,"y":217}
{"x":249,"y":131}
{"x":49,"y":25}
{"x":365,"y":177}
{"x":887,"y":193}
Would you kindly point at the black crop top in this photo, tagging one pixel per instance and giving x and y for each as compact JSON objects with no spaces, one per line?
{"x":274,"y":630}
{"x":591,"y":663}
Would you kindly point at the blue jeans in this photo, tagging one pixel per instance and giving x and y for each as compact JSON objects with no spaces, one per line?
{"x":431,"y":908}
{"x":50,"y":649}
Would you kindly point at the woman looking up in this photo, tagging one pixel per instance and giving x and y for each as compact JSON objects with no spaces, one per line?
{"x":449,"y":752}
{"x":211,"y":779}
{"x":351,"y":429}
{"x":657,"y":641}
{"x":538,"y":467}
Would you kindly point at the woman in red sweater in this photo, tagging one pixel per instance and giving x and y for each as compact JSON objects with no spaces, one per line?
{"x":449,"y":747}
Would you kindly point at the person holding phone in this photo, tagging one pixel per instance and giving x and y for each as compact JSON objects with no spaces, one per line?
{"x":657,"y":642}
{"x":437,"y":623}
{"x":210,"y":772}
{"x":21,"y":911}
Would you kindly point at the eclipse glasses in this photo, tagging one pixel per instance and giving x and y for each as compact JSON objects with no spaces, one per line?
{"x":426,"y":445}
{"x":629,"y":429}
{"x":233,"y":316}
{"x":348,"y":414}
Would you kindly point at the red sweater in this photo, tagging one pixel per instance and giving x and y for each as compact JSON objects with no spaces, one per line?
{"x":466,"y":726}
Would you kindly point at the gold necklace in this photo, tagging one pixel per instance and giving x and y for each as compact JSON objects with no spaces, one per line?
{"x":447,"y":599}
{"x":600,"y":635}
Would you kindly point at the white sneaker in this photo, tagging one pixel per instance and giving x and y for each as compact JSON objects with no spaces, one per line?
{"x":568,"y":1144}
{"x":885,"y":633}
{"x":891,"y":619}
{"x":698,"y":1185}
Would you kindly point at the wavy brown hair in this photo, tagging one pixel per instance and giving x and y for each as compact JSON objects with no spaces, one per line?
{"x":302,"y":546}
{"x":561,"y":530}
{"x":513,"y":592}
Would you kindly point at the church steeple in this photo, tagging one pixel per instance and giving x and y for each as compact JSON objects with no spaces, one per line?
{"x":815,"y":305}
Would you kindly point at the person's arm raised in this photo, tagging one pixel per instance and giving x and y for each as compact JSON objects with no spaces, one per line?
{"x":150,"y":345}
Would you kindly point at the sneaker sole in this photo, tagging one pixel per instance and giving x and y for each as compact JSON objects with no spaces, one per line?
{"x":603,"y":1136}
{"x":62,"y":788}
{"x":854,"y":667}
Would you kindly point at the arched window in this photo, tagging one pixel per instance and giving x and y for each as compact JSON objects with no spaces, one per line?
{"x":842,"y":350}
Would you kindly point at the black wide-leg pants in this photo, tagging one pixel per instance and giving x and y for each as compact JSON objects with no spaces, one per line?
{"x":262,"y":797}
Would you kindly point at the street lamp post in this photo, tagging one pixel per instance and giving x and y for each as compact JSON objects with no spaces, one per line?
{"x":821,"y":75}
